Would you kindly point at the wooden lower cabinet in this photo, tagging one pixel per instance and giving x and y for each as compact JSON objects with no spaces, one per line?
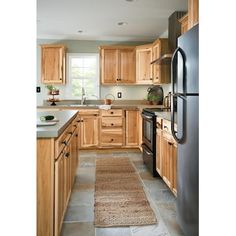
{"x":169,"y":161}
{"x":55,"y":178}
{"x":131,"y":128}
{"x":89,"y":126}
{"x":59,"y":189}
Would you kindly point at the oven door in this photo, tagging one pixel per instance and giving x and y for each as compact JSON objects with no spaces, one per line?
{"x":148,"y":130}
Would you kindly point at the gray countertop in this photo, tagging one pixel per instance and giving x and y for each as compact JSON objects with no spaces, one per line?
{"x":64,"y":117}
{"x":166,"y":115}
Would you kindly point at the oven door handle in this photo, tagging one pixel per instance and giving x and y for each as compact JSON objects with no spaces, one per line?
{"x":145,"y":150}
{"x":146,"y":117}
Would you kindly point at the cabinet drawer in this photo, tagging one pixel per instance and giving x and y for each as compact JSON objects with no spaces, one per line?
{"x":112,"y":112}
{"x":111,"y":121}
{"x":62,"y":141}
{"x":112,"y":137}
{"x":89,"y":112}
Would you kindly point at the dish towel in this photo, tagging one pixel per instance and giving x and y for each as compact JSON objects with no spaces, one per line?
{"x":105,"y":107}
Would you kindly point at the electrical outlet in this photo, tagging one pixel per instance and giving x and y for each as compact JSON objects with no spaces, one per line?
{"x":119,"y":95}
{"x":38,"y":89}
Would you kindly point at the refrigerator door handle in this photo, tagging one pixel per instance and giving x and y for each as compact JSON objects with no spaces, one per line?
{"x":174,"y":133}
{"x":180,"y":95}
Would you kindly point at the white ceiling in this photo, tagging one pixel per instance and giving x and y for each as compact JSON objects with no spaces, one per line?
{"x":147,"y":19}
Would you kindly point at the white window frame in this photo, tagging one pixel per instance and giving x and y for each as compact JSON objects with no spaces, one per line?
{"x":69,"y":80}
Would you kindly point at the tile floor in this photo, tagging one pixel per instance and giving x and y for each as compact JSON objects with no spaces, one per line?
{"x":79,"y":217}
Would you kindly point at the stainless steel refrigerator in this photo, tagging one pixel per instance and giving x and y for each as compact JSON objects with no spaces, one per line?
{"x":185,"y":112}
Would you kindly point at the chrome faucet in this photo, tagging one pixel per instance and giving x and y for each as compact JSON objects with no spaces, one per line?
{"x":83,"y":97}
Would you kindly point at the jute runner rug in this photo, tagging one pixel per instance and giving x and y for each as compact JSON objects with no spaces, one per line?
{"x":119,"y":196}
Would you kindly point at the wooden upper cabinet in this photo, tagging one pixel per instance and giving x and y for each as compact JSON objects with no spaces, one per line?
{"x":127,"y":66}
{"x":117,"y":64}
{"x":109,"y":66}
{"x":161,"y":72}
{"x":184,"y":23}
{"x":53,"y":64}
{"x":193,"y":12}
{"x":143,"y":64}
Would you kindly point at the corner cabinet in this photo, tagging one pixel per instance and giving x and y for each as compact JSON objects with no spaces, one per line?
{"x":117,"y":65}
{"x":53,"y":64}
{"x":161,"y":72}
{"x":143,"y":64}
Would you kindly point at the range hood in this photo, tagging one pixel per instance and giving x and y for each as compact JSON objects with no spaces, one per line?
{"x":174,"y":31}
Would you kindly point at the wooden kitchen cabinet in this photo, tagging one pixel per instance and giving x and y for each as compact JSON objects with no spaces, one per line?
{"x":193,"y":13}
{"x":131,"y":128}
{"x":184,"y":23}
{"x":143,"y":64}
{"x":89,"y":127}
{"x":117,"y":64}
{"x":56,"y":159}
{"x":112,"y":128}
{"x":169,"y":158}
{"x":59,"y":189}
{"x":161,"y":72}
{"x":53,"y":64}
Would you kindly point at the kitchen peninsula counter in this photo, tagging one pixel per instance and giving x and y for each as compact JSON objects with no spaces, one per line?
{"x":64,"y":118}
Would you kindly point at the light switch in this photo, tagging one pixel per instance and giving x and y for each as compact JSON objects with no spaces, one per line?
{"x":38,"y":89}
{"x":119,"y":94}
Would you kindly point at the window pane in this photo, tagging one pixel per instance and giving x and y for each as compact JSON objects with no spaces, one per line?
{"x":76,"y":62}
{"x":83,"y":73}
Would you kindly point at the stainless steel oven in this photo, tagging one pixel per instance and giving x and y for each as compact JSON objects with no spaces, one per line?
{"x":148,"y":128}
{"x":149,"y":141}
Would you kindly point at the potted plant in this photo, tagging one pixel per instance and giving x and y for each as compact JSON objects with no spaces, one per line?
{"x":52,"y":90}
{"x":154,"y":99}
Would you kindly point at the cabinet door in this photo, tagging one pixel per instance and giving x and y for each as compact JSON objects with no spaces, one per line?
{"x":132,"y":128}
{"x":59,"y":194}
{"x":74,"y":155}
{"x":89,"y":131}
{"x":143,"y":66}
{"x":110,"y":66}
{"x":127,"y":66}
{"x":53,"y":64}
{"x":67,"y":174}
{"x":193,"y":12}
{"x":158,"y":151}
{"x":167,"y":162}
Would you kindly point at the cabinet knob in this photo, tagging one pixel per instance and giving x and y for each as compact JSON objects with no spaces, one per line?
{"x":170,"y":143}
{"x":112,"y":124}
{"x":112,"y":112}
{"x":78,"y":121}
{"x":64,"y":142}
{"x":76,"y":135}
{"x":112,"y":140}
{"x":75,"y":125}
{"x":60,"y":78}
{"x":67,"y":154}
{"x":151,"y":78}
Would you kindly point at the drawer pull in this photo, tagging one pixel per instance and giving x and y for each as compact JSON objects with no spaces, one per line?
{"x":78,"y":121}
{"x":112,"y":112}
{"x":112,"y":140}
{"x":64,"y":142}
{"x":67,"y":154}
{"x":76,"y":135}
{"x":112,"y":124}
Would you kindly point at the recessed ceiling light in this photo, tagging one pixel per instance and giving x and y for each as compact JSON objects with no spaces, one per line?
{"x":80,"y":31}
{"x":122,"y":23}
